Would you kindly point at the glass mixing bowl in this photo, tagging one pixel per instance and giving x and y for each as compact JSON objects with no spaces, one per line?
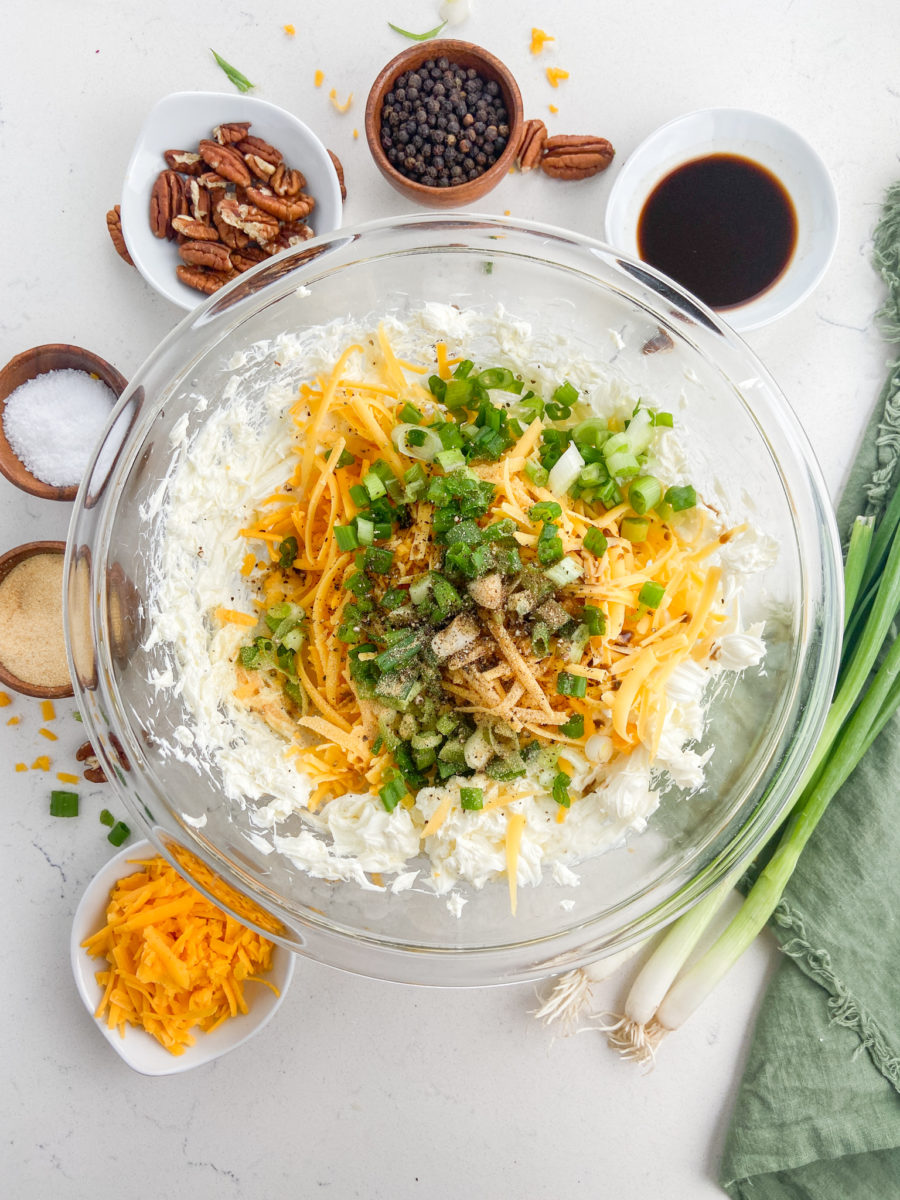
{"x":673,"y":351}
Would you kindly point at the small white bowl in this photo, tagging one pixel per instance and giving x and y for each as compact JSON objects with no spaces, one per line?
{"x":140,"y":1051}
{"x":179,"y":122}
{"x":765,"y":141}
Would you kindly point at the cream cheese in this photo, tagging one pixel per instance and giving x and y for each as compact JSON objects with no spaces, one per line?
{"x":242,"y":453}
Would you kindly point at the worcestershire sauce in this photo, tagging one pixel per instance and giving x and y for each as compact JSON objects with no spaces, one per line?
{"x":722,"y":226}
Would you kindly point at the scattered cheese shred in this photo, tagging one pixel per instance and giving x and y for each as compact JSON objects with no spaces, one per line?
{"x":539,"y":40}
{"x":289,"y":30}
{"x":553,"y":109}
{"x":341,"y":108}
{"x":515,"y":823}
{"x":5,"y":699}
{"x":14,"y":720}
{"x":176,"y":962}
{"x":41,"y":763}
{"x":555,"y":75}
{"x":319,"y":78}
{"x":48,"y":712}
{"x":63,"y":776}
{"x":48,"y":734}
{"x":21,"y":767}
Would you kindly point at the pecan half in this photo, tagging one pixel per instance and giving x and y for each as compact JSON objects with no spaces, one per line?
{"x":531,"y":147}
{"x":259,"y":167}
{"x":282,"y":208}
{"x":195,"y":230}
{"x":202,"y":279}
{"x":186,"y":162}
{"x":233,"y":237}
{"x":252,"y":256}
{"x":260,"y":149}
{"x":225,"y":161}
{"x":161,"y":205}
{"x":212,"y":181}
{"x":233,"y":131}
{"x":114,"y":225}
{"x":260,"y":226}
{"x":206,"y":254}
{"x":91,"y":769}
{"x":573,"y":156}
{"x":286,"y":182}
{"x":659,"y":342}
{"x":340,"y":172}
{"x":199,"y":200}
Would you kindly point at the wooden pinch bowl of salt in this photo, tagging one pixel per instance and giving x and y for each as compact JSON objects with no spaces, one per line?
{"x":31,"y":627}
{"x":29,"y":365}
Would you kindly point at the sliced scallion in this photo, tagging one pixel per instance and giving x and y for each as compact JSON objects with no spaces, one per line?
{"x":63,"y":804}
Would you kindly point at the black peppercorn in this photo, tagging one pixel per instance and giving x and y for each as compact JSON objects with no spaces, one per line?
{"x":423,"y":118}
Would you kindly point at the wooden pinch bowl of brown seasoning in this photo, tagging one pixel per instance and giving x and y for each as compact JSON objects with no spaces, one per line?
{"x":422,"y":143}
{"x":32,"y":642}
{"x":29,"y":365}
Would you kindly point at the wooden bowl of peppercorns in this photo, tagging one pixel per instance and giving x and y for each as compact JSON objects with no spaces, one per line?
{"x":443,"y":122}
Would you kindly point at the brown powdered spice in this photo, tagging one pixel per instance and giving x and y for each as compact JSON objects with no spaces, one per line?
{"x":32,"y":645}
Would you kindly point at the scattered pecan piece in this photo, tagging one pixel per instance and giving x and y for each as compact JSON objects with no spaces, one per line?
{"x":659,"y":342}
{"x":194,"y":230}
{"x":202,"y":279}
{"x":259,"y":167}
{"x":233,"y":237}
{"x":260,"y":149}
{"x":212,"y":181}
{"x":225,"y":161}
{"x":114,"y":225}
{"x":186,"y":162}
{"x":287,"y":182}
{"x":91,"y":769}
{"x":531,"y":147}
{"x":573,"y":156}
{"x":340,"y":172}
{"x":282,"y":208}
{"x":233,"y":131}
{"x":252,"y":256}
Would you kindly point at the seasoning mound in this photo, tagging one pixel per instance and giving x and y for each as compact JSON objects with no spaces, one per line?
{"x":52,"y":423}
{"x":176,"y":962}
{"x":32,"y":645}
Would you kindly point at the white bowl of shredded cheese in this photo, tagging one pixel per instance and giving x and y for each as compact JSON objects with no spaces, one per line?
{"x":483,"y":594}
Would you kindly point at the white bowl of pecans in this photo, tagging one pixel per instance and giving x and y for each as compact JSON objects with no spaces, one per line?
{"x":218,"y":183}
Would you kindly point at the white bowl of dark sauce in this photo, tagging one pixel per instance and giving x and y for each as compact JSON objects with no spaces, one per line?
{"x":733,"y":205}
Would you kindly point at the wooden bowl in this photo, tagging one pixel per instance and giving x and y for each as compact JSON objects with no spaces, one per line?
{"x":488,"y":67}
{"x":28,"y":365}
{"x":8,"y":561}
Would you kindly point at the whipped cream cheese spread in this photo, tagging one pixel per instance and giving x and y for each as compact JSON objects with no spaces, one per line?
{"x":243,"y":452}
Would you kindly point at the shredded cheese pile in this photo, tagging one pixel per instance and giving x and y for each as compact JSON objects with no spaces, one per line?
{"x":176,"y":962}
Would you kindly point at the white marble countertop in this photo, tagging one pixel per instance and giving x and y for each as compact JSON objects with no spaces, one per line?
{"x":361,"y":1088}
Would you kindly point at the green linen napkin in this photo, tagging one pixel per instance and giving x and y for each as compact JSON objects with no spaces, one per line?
{"x":818,"y":1110}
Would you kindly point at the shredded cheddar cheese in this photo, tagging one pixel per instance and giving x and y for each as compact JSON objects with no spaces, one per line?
{"x":176,"y":962}
{"x":539,"y":40}
{"x":318,"y":78}
{"x":555,"y":75}
{"x":341,"y":108}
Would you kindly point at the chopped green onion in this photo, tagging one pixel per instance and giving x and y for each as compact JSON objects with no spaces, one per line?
{"x":663,"y":419}
{"x":63,"y":804}
{"x":594,"y":542}
{"x":495,"y":377}
{"x":471,"y":798}
{"x":415,"y":441}
{"x":365,"y":533}
{"x":359,"y":584}
{"x":392,"y":793}
{"x":451,"y":459}
{"x":106,"y":817}
{"x":540,"y":639}
{"x":241,"y":82}
{"x":574,"y":727}
{"x":536,"y":473}
{"x":544,"y":510}
{"x":634,"y":529}
{"x":393,"y":598}
{"x":359,"y":495}
{"x":549,"y":551}
{"x":346,"y":537}
{"x":346,"y":460}
{"x":119,"y":833}
{"x":566,"y":393}
{"x":374,"y":485}
{"x":411,"y":414}
{"x":566,"y":571}
{"x":594,"y":619}
{"x":645,"y":493}
{"x":571,"y":685}
{"x":561,"y":789}
{"x":457,"y":392}
{"x":378,"y":560}
{"x":287,"y":552}
{"x":592,"y":432}
{"x":651,"y":594}
{"x":681,"y":498}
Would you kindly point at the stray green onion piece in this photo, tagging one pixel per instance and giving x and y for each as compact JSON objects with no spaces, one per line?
{"x":595,"y":542}
{"x":287,"y":552}
{"x":471,"y":798}
{"x":561,"y":789}
{"x":574,"y":727}
{"x":119,"y":833}
{"x":571,"y":685}
{"x":681,"y":498}
{"x":418,"y":37}
{"x":241,"y":82}
{"x":392,"y":793}
{"x":63,"y":804}
{"x":106,"y":817}
{"x":645,"y":493}
{"x":651,"y":594}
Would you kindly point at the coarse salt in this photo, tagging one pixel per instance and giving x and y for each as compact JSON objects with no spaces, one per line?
{"x":52,"y":423}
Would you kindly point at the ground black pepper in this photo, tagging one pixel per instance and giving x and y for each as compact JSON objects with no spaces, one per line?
{"x":443,"y":124}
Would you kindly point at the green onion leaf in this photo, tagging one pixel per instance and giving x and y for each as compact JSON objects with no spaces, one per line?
{"x":544,"y":510}
{"x":418,"y":37}
{"x":63,"y":804}
{"x":651,"y":594}
{"x":392,"y":793}
{"x":346,"y":460}
{"x":471,"y":798}
{"x":119,"y":833}
{"x":537,"y":474}
{"x":378,"y":560}
{"x":634,"y":529}
{"x":645,"y":493}
{"x":561,"y":789}
{"x":347,"y":537}
{"x":574,"y":727}
{"x":243,"y":84}
{"x":287,"y":552}
{"x":571,"y":685}
{"x":106,"y":817}
{"x":681,"y":498}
